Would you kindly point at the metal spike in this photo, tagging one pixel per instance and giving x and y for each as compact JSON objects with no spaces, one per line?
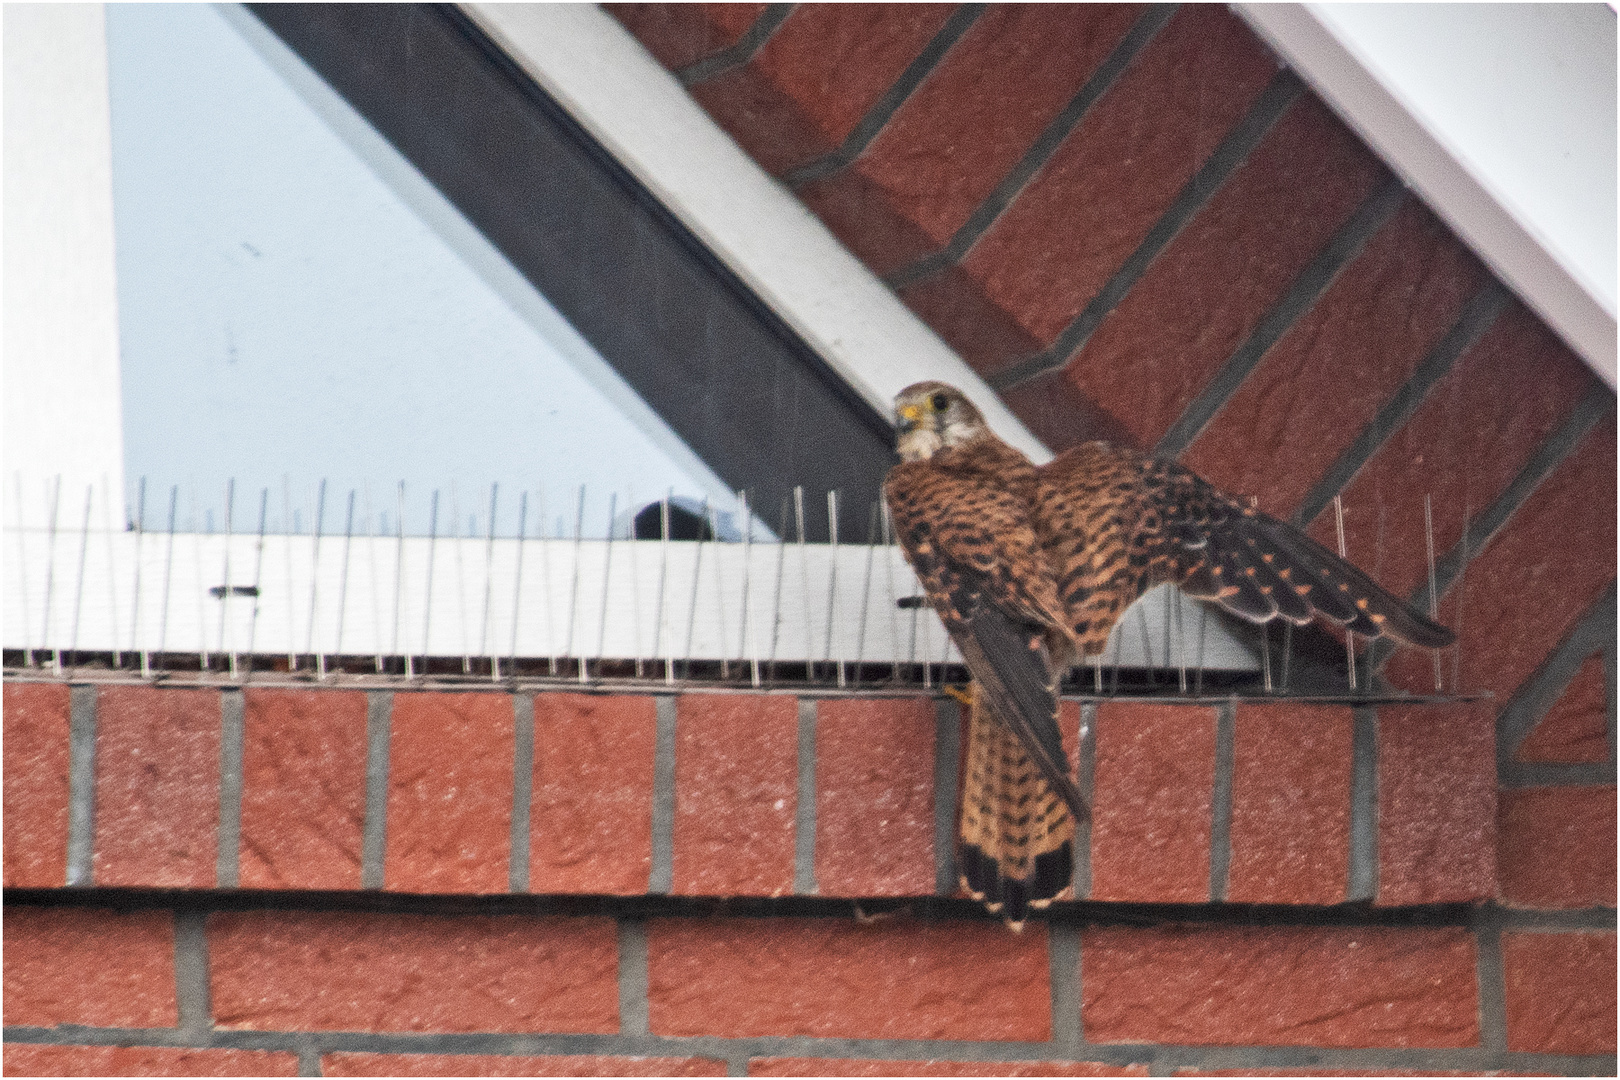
{"x":287,"y":529}
{"x":747,"y":632}
{"x":635,"y":583}
{"x":427,"y":591}
{"x":663,"y":580}
{"x":545,"y":580}
{"x":517,"y":583}
{"x":804,"y":581}
{"x":315,"y":581}
{"x":489,"y":582}
{"x":697,"y":576}
{"x":781,"y":565}
{"x":50,"y":576}
{"x":1265,"y":654}
{"x":225,"y":579}
{"x":573,"y":590}
{"x":607,"y":577}
{"x":886,"y":524}
{"x":112,"y":572}
{"x":1349,"y":634}
{"x":137,"y":635}
{"x":713,"y":518}
{"x":78,"y":591}
{"x":1180,"y":619}
{"x":168,"y":573}
{"x":371,"y":570}
{"x":1147,"y":644}
{"x":832,"y":580}
{"x":399,"y":570}
{"x":258,"y":565}
{"x":866,"y":591}
{"x":1288,"y":652}
{"x":1203,"y":616}
{"x":22,"y":570}
{"x":343,"y":581}
{"x":197,"y":574}
{"x":461,"y":576}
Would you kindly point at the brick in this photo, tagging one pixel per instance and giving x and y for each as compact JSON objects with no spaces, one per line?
{"x":358,"y":1064}
{"x":358,"y":971}
{"x":1436,"y":804}
{"x":1463,"y":446}
{"x":812,"y":82}
{"x":1576,"y":727}
{"x":157,"y":787}
{"x":954,"y":303}
{"x":1058,"y":414}
{"x":875,"y":797}
{"x":682,"y":34}
{"x":41,"y":1060}
{"x":450,"y":793}
{"x":36,"y":785}
{"x":1210,"y":287}
{"x":866,"y":1067}
{"x":1557,"y":847}
{"x":1290,"y":805}
{"x":1288,"y":986}
{"x":591,"y":819}
{"x":1151,"y":807}
{"x":1536,"y":578}
{"x":736,"y":794}
{"x":1317,"y":389}
{"x":888,"y":979}
{"x":1560,"y":992}
{"x":1078,"y":219}
{"x":1294,"y":1070}
{"x":965,"y":127}
{"x":303,"y":789}
{"x":89,"y":966}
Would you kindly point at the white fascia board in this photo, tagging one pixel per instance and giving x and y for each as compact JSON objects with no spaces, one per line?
{"x":605,"y":79}
{"x":1501,"y":117}
{"x":63,"y":403}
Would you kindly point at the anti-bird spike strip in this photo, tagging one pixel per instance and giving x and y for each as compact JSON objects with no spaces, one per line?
{"x":829,"y":613}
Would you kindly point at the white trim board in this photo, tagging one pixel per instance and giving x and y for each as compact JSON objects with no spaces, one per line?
{"x":63,"y":405}
{"x":1502,"y":117}
{"x":605,"y":79}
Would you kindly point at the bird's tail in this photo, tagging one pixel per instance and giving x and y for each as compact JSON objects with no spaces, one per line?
{"x":1015,"y":845}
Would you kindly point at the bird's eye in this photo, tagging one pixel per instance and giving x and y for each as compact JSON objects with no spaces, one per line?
{"x":940,"y":402}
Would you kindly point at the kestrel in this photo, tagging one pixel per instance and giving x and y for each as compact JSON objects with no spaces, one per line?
{"x":1029,"y":568}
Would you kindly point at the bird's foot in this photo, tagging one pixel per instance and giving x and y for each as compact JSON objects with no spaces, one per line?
{"x":962,"y":694}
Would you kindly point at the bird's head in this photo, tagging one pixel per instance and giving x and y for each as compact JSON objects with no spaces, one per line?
{"x":932,"y":416}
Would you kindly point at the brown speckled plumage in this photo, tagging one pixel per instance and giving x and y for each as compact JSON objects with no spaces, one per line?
{"x":1030,"y":568}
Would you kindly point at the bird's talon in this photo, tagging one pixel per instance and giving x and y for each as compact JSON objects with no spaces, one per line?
{"x":962,"y":694}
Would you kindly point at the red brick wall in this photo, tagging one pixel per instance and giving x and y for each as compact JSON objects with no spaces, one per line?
{"x":819,"y":941}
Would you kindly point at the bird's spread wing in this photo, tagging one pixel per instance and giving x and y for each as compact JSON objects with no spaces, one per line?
{"x":971,"y":542}
{"x":1133,"y":521}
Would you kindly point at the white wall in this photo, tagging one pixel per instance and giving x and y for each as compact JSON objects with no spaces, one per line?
{"x":62,"y":400}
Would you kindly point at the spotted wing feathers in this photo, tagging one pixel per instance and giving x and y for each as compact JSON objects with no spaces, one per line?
{"x":1120,"y":522}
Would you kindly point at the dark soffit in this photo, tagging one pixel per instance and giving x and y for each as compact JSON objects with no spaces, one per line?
{"x":727,"y":374}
